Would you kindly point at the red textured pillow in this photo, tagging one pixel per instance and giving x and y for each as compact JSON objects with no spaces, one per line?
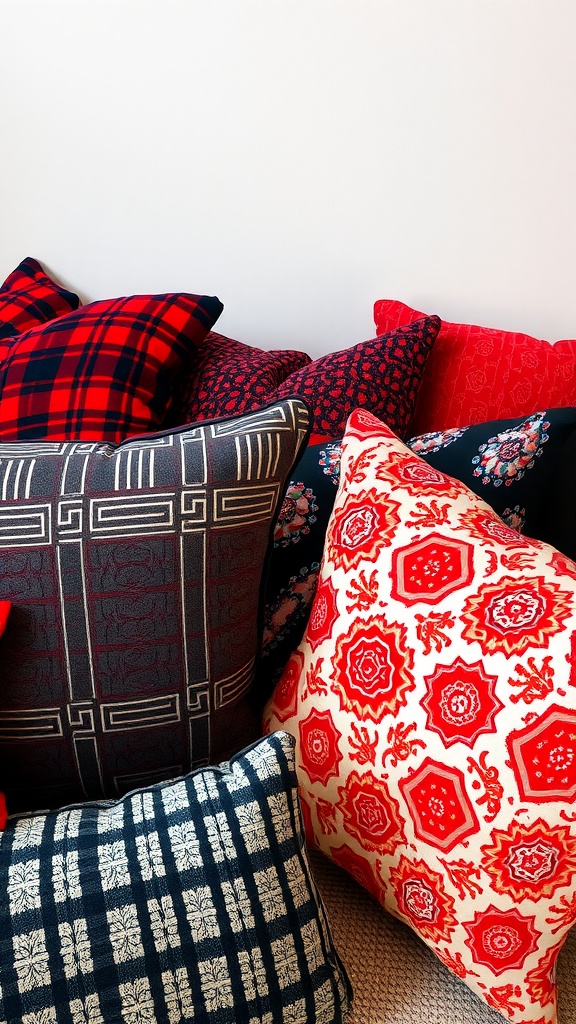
{"x":382,"y":375}
{"x":29,"y":297}
{"x":104,"y":373}
{"x":229,"y":378}
{"x":477,"y":373}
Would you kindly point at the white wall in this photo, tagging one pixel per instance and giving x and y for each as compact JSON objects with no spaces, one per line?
{"x":299,"y":158}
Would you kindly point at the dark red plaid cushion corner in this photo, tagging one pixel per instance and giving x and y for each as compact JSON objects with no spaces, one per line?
{"x":230,"y":378}
{"x":29,"y":297}
{"x":103,"y":373}
{"x":382,"y":375}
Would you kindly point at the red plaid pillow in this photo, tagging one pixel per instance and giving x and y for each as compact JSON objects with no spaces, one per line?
{"x":382,"y":375}
{"x":104,"y":373}
{"x":230,"y":378}
{"x":29,"y":297}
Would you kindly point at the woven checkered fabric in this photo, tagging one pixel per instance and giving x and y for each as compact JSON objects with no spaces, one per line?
{"x":103,"y":373}
{"x":382,"y":375}
{"x":188,"y":900}
{"x":229,"y":378}
{"x":29,"y":297}
{"x":135,"y":575}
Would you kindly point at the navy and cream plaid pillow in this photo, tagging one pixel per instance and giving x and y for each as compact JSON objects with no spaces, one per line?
{"x":188,"y":900}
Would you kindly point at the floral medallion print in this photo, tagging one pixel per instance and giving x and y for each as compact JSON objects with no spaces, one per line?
{"x":431,"y":568}
{"x":360,"y":527}
{"x":421,"y":898}
{"x":372,"y":668}
{"x":416,"y":476}
{"x":530,"y":861}
{"x":323,"y":614}
{"x":461,"y":702}
{"x":424,"y":444}
{"x":286,"y":693}
{"x":296,"y":515}
{"x":509,"y":455}
{"x":371,"y":813}
{"x":515,"y":614}
{"x":319,"y":745}
{"x":443,"y":665}
{"x":487,"y":527}
{"x":329,"y":461}
{"x":543,"y":756}
{"x":501,"y":940}
{"x":439,"y":804}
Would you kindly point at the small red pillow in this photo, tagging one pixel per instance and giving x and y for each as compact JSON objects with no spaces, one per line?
{"x":103,"y":373}
{"x":29,"y":297}
{"x":229,"y":378}
{"x":477,"y":373}
{"x":4,"y":609}
{"x":382,"y":375}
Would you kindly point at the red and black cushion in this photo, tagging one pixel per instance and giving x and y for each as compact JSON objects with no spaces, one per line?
{"x":382,"y":375}
{"x":103,"y":373}
{"x":230,"y":378}
{"x":29,"y":297}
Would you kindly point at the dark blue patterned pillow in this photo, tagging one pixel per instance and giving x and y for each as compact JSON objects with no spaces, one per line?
{"x":191,"y":899}
{"x":518,"y":466}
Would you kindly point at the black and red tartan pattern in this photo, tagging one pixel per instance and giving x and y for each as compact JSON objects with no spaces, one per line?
{"x":229,"y":378}
{"x":103,"y":373}
{"x":135,"y":575}
{"x":382,"y":375}
{"x":29,"y":297}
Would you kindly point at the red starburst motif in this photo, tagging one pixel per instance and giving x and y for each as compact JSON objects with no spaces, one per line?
{"x":417,"y":477}
{"x":360,"y":869}
{"x":361,"y":528}
{"x":285,"y":698}
{"x":421,"y":898}
{"x":543,"y":756}
{"x":371,"y":815}
{"x":439,"y":806}
{"x":429,"y":569}
{"x":485,"y":523}
{"x":319,"y":746}
{"x":501,"y":939}
{"x":515,"y":614}
{"x":371,"y":668}
{"x":323,"y":614}
{"x":530,"y":861}
{"x":461,"y":702}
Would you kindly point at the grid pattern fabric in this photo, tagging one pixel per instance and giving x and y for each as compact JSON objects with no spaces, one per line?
{"x":188,"y":900}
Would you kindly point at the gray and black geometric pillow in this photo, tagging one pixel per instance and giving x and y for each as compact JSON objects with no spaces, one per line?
{"x":190,"y":900}
{"x":135,"y":575}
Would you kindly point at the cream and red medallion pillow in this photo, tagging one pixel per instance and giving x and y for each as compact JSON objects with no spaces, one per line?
{"x":433,"y":699}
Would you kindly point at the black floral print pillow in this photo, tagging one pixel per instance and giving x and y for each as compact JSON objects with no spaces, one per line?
{"x":518,"y":466}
